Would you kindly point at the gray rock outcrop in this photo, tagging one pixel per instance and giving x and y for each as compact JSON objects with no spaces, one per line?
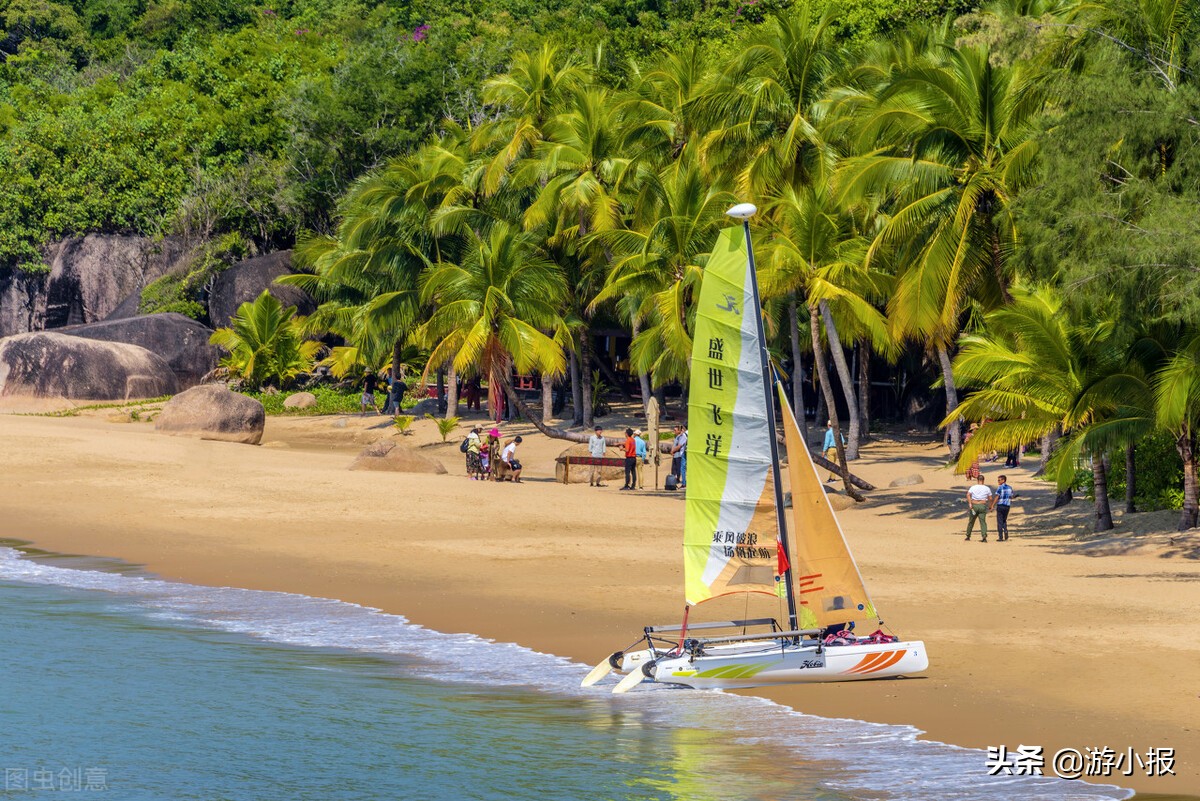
{"x":386,"y":455}
{"x":88,"y":279}
{"x":212,"y":412}
{"x":180,"y":341}
{"x":52,"y":365}
{"x":245,"y":281}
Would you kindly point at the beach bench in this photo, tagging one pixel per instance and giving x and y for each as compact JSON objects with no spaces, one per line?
{"x":587,"y":461}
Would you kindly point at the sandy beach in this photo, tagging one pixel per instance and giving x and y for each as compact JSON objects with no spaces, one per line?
{"x":1056,"y":638}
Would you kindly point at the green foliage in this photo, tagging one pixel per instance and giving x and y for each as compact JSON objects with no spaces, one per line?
{"x":265,"y":343}
{"x":329,"y":401}
{"x":1158,"y":474}
{"x":182,"y":292}
{"x":403,"y":422}
{"x":445,"y":425}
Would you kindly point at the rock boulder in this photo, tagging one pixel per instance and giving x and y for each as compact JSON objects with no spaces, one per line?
{"x":910,"y":480}
{"x":300,"y":400}
{"x":386,"y":455}
{"x":180,"y":341}
{"x":212,"y":412}
{"x":245,"y":281}
{"x":581,"y":473}
{"x":48,"y":364}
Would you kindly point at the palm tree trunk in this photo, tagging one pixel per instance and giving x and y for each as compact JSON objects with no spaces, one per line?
{"x":585,"y":376}
{"x":1104,"y":521}
{"x":864,"y":389}
{"x":951,"y":401}
{"x":1187,"y":452}
{"x":547,"y":399}
{"x":397,"y":357}
{"x":823,"y":374}
{"x":451,"y":391}
{"x":441,"y":387}
{"x":559,"y":433}
{"x":797,"y":368}
{"x":1048,"y":444}
{"x":576,"y":392}
{"x":843,"y":369}
{"x":643,"y":378}
{"x":1130,"y":480}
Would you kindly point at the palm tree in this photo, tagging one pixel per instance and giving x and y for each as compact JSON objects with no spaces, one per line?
{"x":529,"y":94}
{"x":265,"y":343}
{"x":817,"y":252}
{"x":760,"y":107}
{"x":366,"y":276}
{"x":1036,"y":372}
{"x":492,"y":309}
{"x":579,"y":173}
{"x":658,"y":262}
{"x":951,"y":144}
{"x":1177,"y":401}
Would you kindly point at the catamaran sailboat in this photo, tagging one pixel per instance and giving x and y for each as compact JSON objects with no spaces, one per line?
{"x":741,"y":537}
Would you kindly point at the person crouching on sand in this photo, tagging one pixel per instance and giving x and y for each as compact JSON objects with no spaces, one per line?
{"x":980,"y":501}
{"x":509,"y":457}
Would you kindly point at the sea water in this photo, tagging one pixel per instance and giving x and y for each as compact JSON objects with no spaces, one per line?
{"x":116,"y":684}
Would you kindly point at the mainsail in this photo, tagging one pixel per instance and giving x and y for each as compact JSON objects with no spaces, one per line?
{"x":730,"y":528}
{"x":828,"y":585}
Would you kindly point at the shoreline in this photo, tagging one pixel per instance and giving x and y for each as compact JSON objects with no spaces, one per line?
{"x":562,"y":570}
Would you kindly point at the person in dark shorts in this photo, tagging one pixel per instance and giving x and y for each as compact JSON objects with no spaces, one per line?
{"x":630,"y":461}
{"x":370,"y":381}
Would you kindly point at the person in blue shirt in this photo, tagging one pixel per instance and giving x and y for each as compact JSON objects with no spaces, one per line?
{"x":643,"y":452}
{"x":1003,"y":504}
{"x":829,"y":449}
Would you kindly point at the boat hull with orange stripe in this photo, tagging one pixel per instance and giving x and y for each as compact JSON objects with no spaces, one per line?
{"x":761,"y":663}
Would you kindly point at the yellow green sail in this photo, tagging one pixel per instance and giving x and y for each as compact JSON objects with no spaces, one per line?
{"x":730,"y":527}
{"x":828,"y":587}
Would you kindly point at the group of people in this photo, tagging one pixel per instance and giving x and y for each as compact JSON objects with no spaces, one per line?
{"x":393,"y":392}
{"x":488,"y":460}
{"x":636,"y":450}
{"x":981,"y":500}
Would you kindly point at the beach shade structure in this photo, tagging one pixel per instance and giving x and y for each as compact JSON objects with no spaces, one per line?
{"x":652,"y":429}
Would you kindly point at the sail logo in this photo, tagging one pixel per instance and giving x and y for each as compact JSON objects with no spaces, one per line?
{"x":731,"y":305}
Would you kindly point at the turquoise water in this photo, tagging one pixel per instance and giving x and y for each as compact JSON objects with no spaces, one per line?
{"x":159,"y":690}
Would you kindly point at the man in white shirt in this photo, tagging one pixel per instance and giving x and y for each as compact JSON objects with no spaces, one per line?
{"x":596,"y":447}
{"x":509,"y":457}
{"x":979,"y":496}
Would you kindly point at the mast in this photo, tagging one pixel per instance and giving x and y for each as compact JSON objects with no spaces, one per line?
{"x":745,"y":211}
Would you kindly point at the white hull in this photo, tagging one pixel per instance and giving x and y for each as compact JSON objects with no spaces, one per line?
{"x":758,"y":663}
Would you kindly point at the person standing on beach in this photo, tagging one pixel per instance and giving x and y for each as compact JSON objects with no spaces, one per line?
{"x":396,"y":395}
{"x":630,"y":461}
{"x":829,"y":449}
{"x":676,"y":455}
{"x":1002,"y":505}
{"x":643,"y":454}
{"x":979,"y":500}
{"x":370,"y":381}
{"x":596,"y":447}
{"x":474,"y":462}
{"x":679,"y":453}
